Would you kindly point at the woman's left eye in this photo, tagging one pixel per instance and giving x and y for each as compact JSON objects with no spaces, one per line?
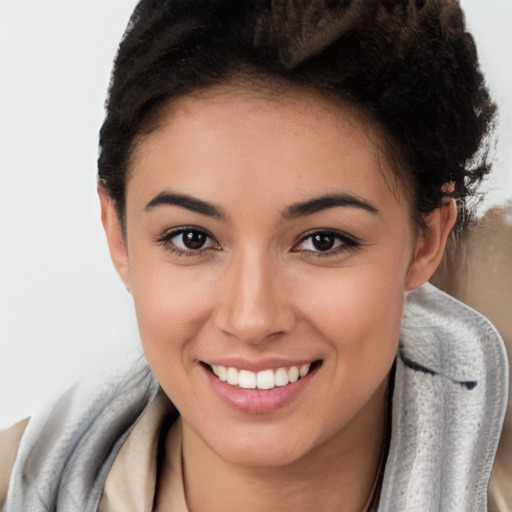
{"x":188,"y":240}
{"x":325,"y":242}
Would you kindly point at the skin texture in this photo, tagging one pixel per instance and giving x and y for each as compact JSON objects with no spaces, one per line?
{"x":260,"y":289}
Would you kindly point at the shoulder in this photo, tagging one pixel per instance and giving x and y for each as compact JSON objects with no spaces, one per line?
{"x":10,"y":440}
{"x":70,"y":444}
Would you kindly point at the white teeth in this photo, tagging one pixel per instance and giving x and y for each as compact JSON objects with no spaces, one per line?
{"x":281,"y":377}
{"x":266,"y":379}
{"x":223,"y":373}
{"x":293,"y":374}
{"x":232,"y":376}
{"x":304,"y":369}
{"x":246,"y":379}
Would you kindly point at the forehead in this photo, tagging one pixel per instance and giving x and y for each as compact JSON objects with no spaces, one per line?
{"x":255,"y":140}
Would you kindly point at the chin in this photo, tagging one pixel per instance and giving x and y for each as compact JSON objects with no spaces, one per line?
{"x":268,"y":447}
{"x":273,"y":454}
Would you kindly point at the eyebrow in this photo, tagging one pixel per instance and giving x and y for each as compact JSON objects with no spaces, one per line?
{"x":328,"y":201}
{"x":294,"y":211}
{"x":188,"y":202}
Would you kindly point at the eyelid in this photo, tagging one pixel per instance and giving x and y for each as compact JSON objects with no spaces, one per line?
{"x":166,"y":237}
{"x":172,"y":232}
{"x":349,"y":242}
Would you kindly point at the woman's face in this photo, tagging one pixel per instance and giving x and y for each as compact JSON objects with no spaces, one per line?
{"x":264,"y":239}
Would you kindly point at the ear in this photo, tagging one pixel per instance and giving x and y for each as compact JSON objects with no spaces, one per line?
{"x":114,"y":232}
{"x":431,"y":244}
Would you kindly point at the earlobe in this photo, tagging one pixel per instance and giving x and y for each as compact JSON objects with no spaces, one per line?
{"x":114,"y":233}
{"x":431,"y":244}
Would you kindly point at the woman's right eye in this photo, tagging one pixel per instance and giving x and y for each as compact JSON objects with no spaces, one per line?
{"x":188,"y":241}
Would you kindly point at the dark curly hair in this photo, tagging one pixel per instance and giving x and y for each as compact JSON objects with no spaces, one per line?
{"x":410,"y":65}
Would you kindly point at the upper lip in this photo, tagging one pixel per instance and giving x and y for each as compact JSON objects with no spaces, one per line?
{"x":259,"y":364}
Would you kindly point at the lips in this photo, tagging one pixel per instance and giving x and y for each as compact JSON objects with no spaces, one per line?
{"x":265,"y":388}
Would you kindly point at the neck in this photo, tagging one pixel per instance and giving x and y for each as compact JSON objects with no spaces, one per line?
{"x":339,"y":475}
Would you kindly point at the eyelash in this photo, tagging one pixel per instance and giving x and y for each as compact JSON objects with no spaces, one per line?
{"x":166,"y":240}
{"x":346,"y":242}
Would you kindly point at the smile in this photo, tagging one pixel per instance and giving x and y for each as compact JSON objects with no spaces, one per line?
{"x":264,"y":380}
{"x":264,"y":388}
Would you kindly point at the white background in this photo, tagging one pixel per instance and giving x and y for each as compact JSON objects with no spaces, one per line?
{"x":62,"y":307}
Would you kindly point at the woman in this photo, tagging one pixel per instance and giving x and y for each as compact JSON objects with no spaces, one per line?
{"x":275,"y":180}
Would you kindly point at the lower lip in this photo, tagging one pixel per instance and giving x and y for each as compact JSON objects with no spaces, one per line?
{"x":255,"y":401}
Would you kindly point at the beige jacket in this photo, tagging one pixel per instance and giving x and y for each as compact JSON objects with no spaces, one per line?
{"x":131,"y":483}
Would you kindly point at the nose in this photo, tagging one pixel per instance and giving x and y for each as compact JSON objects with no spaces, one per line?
{"x":254,"y":303}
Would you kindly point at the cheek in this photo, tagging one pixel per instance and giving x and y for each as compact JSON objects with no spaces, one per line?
{"x":360,"y":318}
{"x":172,"y":305}
{"x":359,"y":310}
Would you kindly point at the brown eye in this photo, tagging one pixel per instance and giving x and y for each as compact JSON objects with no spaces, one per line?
{"x":188,"y":240}
{"x":323,"y":241}
{"x":194,"y":239}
